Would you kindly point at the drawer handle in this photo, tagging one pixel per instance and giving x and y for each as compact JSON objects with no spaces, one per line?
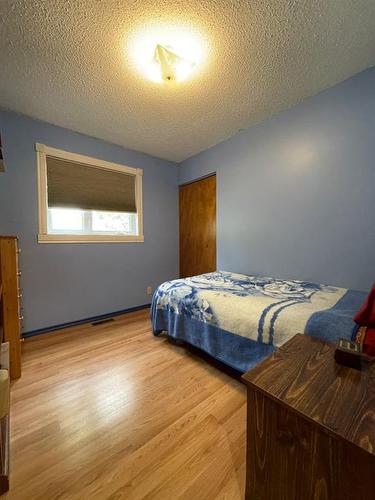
{"x":19,"y":295}
{"x":18,"y":250}
{"x":19,"y":273}
{"x":21,"y":318}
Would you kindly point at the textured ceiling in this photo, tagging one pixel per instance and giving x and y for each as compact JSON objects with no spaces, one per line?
{"x":70,"y":62}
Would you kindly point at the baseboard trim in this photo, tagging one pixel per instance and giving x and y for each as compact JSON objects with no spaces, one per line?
{"x":54,"y":328}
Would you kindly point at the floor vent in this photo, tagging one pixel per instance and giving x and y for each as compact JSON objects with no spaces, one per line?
{"x":102,"y":321}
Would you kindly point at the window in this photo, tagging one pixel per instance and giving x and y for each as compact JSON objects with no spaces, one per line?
{"x":82,"y":199}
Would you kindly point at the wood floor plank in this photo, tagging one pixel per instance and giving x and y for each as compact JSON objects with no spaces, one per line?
{"x":111,"y":412}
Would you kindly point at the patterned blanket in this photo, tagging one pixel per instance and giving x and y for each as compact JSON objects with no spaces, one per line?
{"x":240,"y":319}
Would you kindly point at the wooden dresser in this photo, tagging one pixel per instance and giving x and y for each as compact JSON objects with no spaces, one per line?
{"x":310,"y":426}
{"x":10,"y":295}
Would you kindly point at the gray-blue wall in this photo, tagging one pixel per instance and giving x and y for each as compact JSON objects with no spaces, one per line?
{"x":296,"y":193}
{"x":68,"y":282}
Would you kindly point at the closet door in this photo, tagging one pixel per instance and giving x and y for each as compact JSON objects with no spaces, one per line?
{"x":198,"y":227}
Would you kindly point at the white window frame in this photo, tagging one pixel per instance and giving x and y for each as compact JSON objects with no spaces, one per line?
{"x":42,"y":152}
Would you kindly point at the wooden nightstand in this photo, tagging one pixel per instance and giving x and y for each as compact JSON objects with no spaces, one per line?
{"x":310,"y":426}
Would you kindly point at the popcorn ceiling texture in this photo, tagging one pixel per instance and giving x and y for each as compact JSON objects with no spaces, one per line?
{"x":66,"y":62}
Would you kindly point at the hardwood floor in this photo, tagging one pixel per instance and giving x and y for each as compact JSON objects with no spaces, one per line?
{"x":111,"y":412}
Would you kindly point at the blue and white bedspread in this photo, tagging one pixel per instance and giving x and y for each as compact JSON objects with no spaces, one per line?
{"x":240,"y":319}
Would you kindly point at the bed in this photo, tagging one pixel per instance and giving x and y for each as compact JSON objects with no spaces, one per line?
{"x":240,"y":319}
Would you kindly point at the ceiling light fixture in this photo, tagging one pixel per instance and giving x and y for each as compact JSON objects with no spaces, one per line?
{"x":171,"y":66}
{"x":168,"y":53}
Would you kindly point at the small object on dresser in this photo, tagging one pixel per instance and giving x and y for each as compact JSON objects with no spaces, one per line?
{"x":350,"y":354}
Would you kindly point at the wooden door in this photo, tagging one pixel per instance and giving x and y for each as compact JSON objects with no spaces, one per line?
{"x":198,"y":227}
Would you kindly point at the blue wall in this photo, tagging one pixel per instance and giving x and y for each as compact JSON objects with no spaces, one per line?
{"x":296,"y":193}
{"x":68,"y":282}
{"x":295,"y":200}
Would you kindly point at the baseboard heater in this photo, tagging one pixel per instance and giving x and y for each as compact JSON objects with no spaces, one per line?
{"x":93,"y":319}
{"x":102,"y":321}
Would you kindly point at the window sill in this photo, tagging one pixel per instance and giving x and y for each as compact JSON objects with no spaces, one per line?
{"x":94,"y":238}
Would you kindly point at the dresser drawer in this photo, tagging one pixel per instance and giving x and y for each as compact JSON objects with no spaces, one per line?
{"x":290,"y":458}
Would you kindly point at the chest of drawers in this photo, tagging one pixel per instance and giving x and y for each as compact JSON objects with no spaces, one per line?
{"x":10,"y":295}
{"x":310,"y":426}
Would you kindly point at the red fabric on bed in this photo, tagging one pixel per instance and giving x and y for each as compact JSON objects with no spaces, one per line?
{"x":365,"y":318}
{"x":369,"y":342}
{"x":366,"y":315}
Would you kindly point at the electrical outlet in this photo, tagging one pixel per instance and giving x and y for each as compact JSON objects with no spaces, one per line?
{"x":149,"y":290}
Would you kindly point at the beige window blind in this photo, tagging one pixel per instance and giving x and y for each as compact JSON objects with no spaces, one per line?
{"x":74,"y":185}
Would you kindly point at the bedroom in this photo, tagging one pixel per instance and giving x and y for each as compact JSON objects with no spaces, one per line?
{"x":275,"y":114}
